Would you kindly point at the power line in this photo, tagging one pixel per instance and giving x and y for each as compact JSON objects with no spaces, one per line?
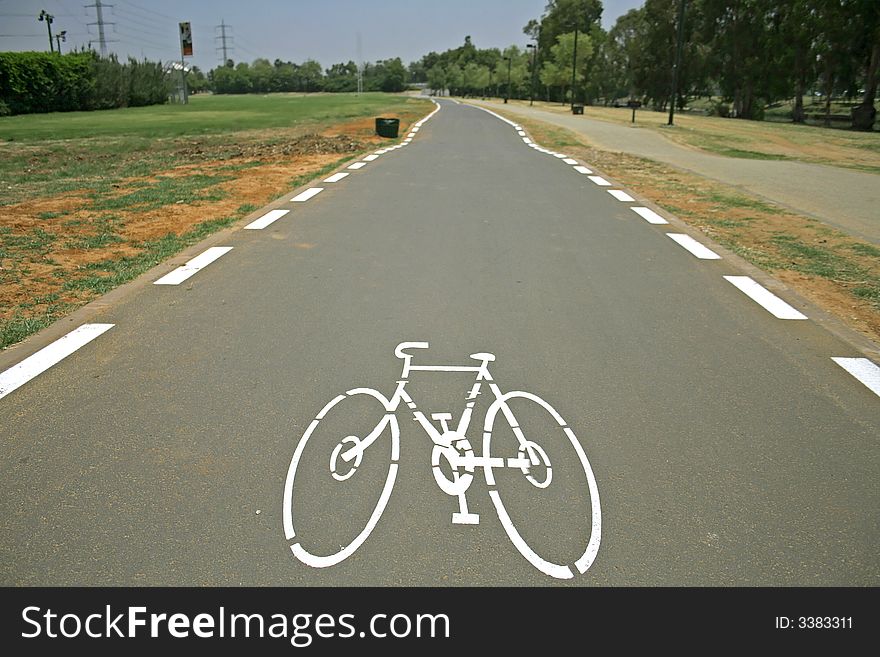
{"x":146,"y":10}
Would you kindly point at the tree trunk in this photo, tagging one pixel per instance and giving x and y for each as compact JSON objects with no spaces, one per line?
{"x":864,"y":115}
{"x":829,"y":87}
{"x":798,"y":115}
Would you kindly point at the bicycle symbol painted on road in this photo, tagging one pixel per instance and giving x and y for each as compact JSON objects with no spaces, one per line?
{"x":453,"y":460}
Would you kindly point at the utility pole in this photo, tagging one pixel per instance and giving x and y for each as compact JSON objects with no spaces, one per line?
{"x":45,"y":16}
{"x":574,"y":57}
{"x":534,"y":66}
{"x":102,"y":40}
{"x":507,"y":95}
{"x":223,"y":38}
{"x":61,"y":36}
{"x":534,"y":47}
{"x":677,"y":65}
{"x":360,"y":64}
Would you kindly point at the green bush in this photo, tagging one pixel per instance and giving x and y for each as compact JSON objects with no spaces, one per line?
{"x":721,"y":109}
{"x":32,"y":82}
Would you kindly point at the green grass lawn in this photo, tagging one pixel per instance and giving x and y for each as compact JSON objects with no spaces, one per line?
{"x":205,"y":114}
{"x":737,"y":138}
{"x":90,"y":200}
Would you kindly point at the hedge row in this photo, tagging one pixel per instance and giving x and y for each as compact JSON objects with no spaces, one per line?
{"x":33,"y":82}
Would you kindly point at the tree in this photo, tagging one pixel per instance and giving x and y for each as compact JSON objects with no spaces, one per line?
{"x":454,"y":79}
{"x":865,"y":114}
{"x":552,"y":76}
{"x":563,"y":53}
{"x":311,"y":75}
{"x":437,"y":79}
{"x":392,"y":76}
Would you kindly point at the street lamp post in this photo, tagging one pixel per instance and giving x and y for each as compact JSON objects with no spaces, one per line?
{"x":61,"y":36}
{"x":46,"y":16}
{"x":534,"y":49}
{"x":574,"y":65}
{"x":507,"y":95}
{"x":677,"y":65}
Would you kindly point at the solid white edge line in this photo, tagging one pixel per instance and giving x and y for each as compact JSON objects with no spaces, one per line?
{"x":336,"y":177}
{"x":179,"y":275}
{"x":764,"y":298}
{"x":270,"y":217}
{"x":583,"y":170}
{"x":306,"y":195}
{"x":690,"y":244}
{"x":34,"y":365}
{"x":621,"y":195}
{"x":649,"y":215}
{"x":864,"y":370}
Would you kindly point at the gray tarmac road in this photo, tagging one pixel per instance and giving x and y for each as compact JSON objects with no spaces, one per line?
{"x":843,"y":198}
{"x":727,"y":447}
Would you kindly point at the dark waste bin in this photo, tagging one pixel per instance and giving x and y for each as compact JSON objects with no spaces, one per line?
{"x":577,"y":109}
{"x":387,"y":127}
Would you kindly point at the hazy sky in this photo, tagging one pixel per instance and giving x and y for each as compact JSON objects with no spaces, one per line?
{"x":292,"y":30}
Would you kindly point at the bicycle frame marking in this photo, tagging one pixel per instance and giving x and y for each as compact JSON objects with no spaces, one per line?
{"x":453,"y":446}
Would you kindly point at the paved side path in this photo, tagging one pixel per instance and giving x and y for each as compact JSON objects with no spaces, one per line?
{"x":846,"y":199}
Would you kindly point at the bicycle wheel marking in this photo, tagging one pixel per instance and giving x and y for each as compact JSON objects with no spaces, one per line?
{"x":324,"y":562}
{"x":452,"y":451}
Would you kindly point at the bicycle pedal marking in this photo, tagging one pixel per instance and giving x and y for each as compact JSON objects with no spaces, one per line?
{"x":452,"y":452}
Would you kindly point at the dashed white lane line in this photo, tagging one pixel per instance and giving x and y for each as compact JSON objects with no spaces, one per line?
{"x":649,"y":215}
{"x":266,"y":219}
{"x":17,"y":375}
{"x":357,"y":165}
{"x":370,"y":158}
{"x":861,"y":368}
{"x":306,"y":195}
{"x":561,"y":156}
{"x":689,"y":243}
{"x":621,"y":195}
{"x":568,"y":160}
{"x":764,"y":298}
{"x":599,"y":180}
{"x":201,"y":261}
{"x":336,"y":177}
{"x":583,"y":170}
{"x":416,"y":129}
{"x":526,"y":140}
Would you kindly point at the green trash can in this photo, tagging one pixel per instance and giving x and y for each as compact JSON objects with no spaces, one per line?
{"x":387,"y":127}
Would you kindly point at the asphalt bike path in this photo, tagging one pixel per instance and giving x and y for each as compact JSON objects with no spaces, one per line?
{"x":724,"y":444}
{"x":842,"y":198}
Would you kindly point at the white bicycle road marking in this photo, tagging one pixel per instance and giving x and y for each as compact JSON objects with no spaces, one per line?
{"x":864,"y":370}
{"x":621,"y":195}
{"x":693,"y":246}
{"x":764,"y":298}
{"x":34,"y":365}
{"x":198,"y":263}
{"x":302,"y":197}
{"x":267,"y":219}
{"x":452,"y":452}
{"x":649,"y":215}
